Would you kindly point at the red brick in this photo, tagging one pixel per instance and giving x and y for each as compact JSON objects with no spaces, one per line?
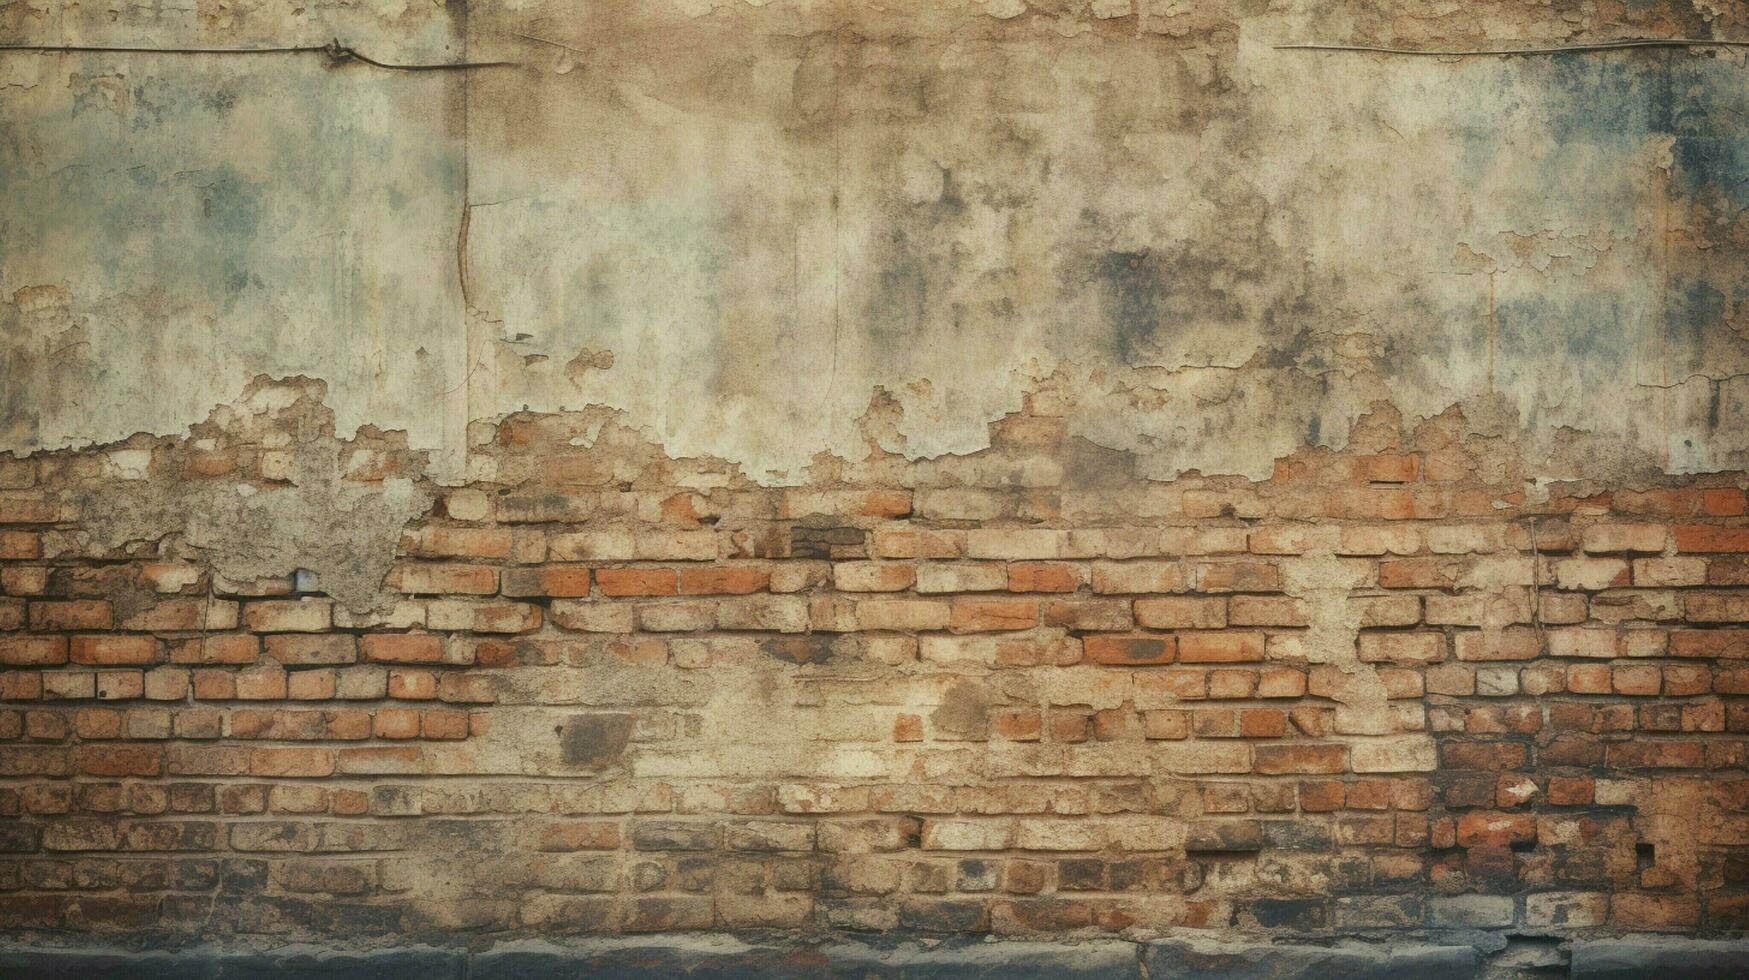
{"x":20,"y":685}
{"x":1649,"y":754}
{"x":1277,"y":759}
{"x":985,"y":615}
{"x":1617,"y":538}
{"x":461,"y":688}
{"x":69,"y":615}
{"x":119,"y":760}
{"x":723,"y":580}
{"x":113,"y":649}
{"x":1042,"y":577}
{"x":592,"y":835}
{"x":1637,"y":679}
{"x":214,"y":685}
{"x":428,"y":579}
{"x":1262,"y":723}
{"x":288,"y":615}
{"x":1484,"y":828}
{"x":396,"y":723}
{"x":346,"y":724}
{"x":1687,"y":679}
{"x":1138,"y":578}
{"x":548,"y":580}
{"x":1490,"y":756}
{"x":291,"y":761}
{"x":306,"y":650}
{"x":1588,"y":679}
{"x":1402,"y":648}
{"x":637,"y":581}
{"x":401,"y":648}
{"x":446,"y":725}
{"x":477,"y":616}
{"x":229,"y":648}
{"x":1418,"y":573}
{"x":412,"y":685}
{"x":32,"y":651}
{"x":20,"y":545}
{"x":1711,"y":538}
{"x":1720,"y":643}
{"x":1571,"y":790}
{"x":1129,"y":649}
{"x":1182,"y":612}
{"x":1220,"y":647}
{"x":1089,"y":614}
{"x":1238,"y":577}
{"x":264,"y":683}
{"x":310,"y":685}
{"x":1723,"y":502}
{"x":1321,"y":797}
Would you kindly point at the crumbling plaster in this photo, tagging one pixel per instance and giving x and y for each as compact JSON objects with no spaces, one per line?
{"x":737,"y":223}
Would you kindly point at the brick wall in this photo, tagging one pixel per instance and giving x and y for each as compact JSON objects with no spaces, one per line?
{"x":1019,"y":691}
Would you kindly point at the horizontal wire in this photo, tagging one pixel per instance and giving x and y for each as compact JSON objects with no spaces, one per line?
{"x":335,"y":51}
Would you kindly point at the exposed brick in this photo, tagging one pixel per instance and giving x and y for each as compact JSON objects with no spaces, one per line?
{"x":301,"y":650}
{"x":1182,"y":612}
{"x":723,"y":580}
{"x":402,"y":648}
{"x":1710,"y":538}
{"x":1042,"y":577}
{"x":430,"y":579}
{"x":979,"y":615}
{"x":32,"y":651}
{"x":1129,"y":649}
{"x":111,"y":650}
{"x":637,"y":581}
{"x":1227,"y":647}
{"x":549,"y":580}
{"x":288,"y":615}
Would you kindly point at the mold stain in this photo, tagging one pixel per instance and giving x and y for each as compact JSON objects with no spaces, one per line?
{"x":1133,"y":298}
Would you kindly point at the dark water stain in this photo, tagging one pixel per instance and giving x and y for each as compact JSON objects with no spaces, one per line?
{"x":1143,"y":295}
{"x":799,"y":650}
{"x":595,"y":740}
{"x":964,"y":710}
{"x":1133,"y":298}
{"x":899,"y":306}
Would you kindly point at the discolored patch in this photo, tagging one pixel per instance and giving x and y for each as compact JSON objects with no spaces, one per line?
{"x":800,"y":650}
{"x":964,"y":711}
{"x":595,"y":740}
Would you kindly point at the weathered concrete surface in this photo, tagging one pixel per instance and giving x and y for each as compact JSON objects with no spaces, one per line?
{"x":738,"y":222}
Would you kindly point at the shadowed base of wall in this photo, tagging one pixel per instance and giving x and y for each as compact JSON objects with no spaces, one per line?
{"x":726,"y":956}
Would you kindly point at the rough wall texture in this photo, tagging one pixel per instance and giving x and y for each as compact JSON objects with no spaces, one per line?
{"x":1017,"y":467}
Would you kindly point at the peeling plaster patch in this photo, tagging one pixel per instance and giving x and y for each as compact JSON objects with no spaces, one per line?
{"x":1325,"y":583}
{"x":312,"y":519}
{"x":764,"y":214}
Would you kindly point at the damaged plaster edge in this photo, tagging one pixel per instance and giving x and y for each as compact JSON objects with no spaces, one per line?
{"x":889,"y":425}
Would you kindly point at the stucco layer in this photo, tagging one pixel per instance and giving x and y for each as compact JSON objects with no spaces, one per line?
{"x":741,"y":223}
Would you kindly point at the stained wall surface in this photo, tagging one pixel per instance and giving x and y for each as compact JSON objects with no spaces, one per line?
{"x":1041,"y":467}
